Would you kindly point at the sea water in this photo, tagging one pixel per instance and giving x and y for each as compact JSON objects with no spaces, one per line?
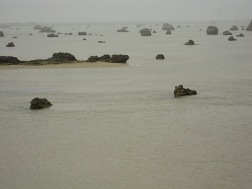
{"x":122,"y":127}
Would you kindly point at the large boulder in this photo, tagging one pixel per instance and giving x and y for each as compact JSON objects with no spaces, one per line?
{"x":119,"y":58}
{"x":227,"y":33}
{"x":145,"y":32}
{"x":52,"y":35}
{"x":82,"y":33}
{"x":11,"y":44}
{"x":37,"y":27}
{"x":231,"y":38}
{"x":160,"y":57}
{"x":167,"y":26}
{"x":47,"y":30}
{"x":190,"y":42}
{"x":249,"y":28}
{"x":9,"y":60}
{"x":181,"y":91}
{"x":212,"y":30}
{"x":234,"y":28}
{"x":40,"y":103}
{"x":62,"y":57}
{"x":1,"y":34}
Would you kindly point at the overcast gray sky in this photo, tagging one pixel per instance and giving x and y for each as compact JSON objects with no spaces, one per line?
{"x":123,"y":10}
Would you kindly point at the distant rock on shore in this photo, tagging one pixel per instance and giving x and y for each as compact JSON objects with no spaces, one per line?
{"x":1,"y":34}
{"x":122,"y":30}
{"x":4,"y":26}
{"x":240,"y":35}
{"x":107,"y":58}
{"x":62,"y":57}
{"x":249,"y":28}
{"x":167,"y":26}
{"x":212,"y":30}
{"x":168,"y":32}
{"x":145,"y":32}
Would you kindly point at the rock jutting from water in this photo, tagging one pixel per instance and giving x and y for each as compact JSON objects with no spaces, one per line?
{"x":123,"y":30}
{"x":231,"y":38}
{"x":40,"y":103}
{"x":249,"y":28}
{"x":160,"y":57}
{"x":181,"y":91}
{"x":107,"y":58}
{"x":11,"y":44}
{"x":227,"y":33}
{"x":9,"y":60}
{"x":167,"y":26}
{"x":190,"y":42}
{"x":168,"y":32}
{"x":234,"y":28}
{"x":145,"y":32}
{"x":82,"y":33}
{"x":1,"y":34}
{"x":212,"y":30}
{"x":240,"y":35}
{"x":52,"y":35}
{"x":47,"y":30}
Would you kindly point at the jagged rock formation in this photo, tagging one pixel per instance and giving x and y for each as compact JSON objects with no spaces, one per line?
{"x":107,"y":58}
{"x":40,"y":103}
{"x":181,"y":91}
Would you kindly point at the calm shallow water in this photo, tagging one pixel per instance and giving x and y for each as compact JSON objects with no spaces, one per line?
{"x":121,"y":127}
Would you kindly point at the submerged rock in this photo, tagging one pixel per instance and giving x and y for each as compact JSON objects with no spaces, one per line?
{"x":234,"y":28}
{"x":249,"y":28}
{"x":181,"y":91}
{"x":190,"y":42}
{"x":231,"y":38}
{"x":145,"y":32}
{"x":160,"y":57}
{"x":1,"y":34}
{"x":212,"y":30}
{"x":82,"y":33}
{"x":11,"y":44}
{"x":9,"y":60}
{"x":40,"y":103}
{"x":240,"y":35}
{"x":227,"y":33}
{"x":167,"y":26}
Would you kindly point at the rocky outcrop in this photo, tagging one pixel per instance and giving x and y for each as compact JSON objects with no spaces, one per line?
{"x":249,"y":28}
{"x":190,"y":42}
{"x":160,"y":57}
{"x":122,"y":30}
{"x":240,"y":35}
{"x":40,"y":103}
{"x":9,"y":60}
{"x":37,"y":27}
{"x":145,"y":32}
{"x":107,"y":58}
{"x":1,"y":34}
{"x":212,"y":30}
{"x":47,"y":30}
{"x":82,"y":33}
{"x":11,"y":44}
{"x":62,"y":57}
{"x":167,"y":26}
{"x":52,"y":35}
{"x":227,"y":33}
{"x":168,"y":32}
{"x":231,"y":38}
{"x":181,"y":91}
{"x":234,"y":28}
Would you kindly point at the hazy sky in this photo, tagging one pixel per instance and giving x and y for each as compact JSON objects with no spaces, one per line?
{"x":122,"y":10}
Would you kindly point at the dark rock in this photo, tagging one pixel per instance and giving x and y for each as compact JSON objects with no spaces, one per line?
{"x":59,"y":33}
{"x":212,"y":30}
{"x":52,"y":35}
{"x":15,"y":37}
{"x":160,"y":57}
{"x":145,"y":32}
{"x":231,"y":38}
{"x":93,"y":59}
{"x":227,"y":33}
{"x":40,"y":103}
{"x":84,"y":39}
{"x":11,"y":44}
{"x":181,"y":91}
{"x":37,"y":27}
{"x":119,"y":58}
{"x":167,"y":26}
{"x":122,"y":30}
{"x":190,"y":42}
{"x":62,"y":57}
{"x":30,"y":33}
{"x":105,"y":57}
{"x":249,"y":28}
{"x":101,"y":42}
{"x":9,"y":60}
{"x":154,"y":31}
{"x":1,"y":34}
{"x":82,"y":33}
{"x":70,"y":33}
{"x":240,"y":35}
{"x":47,"y":30}
{"x":168,"y":32}
{"x":234,"y":28}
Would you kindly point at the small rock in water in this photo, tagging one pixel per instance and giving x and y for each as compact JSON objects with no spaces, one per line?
{"x":40,"y":103}
{"x":181,"y":91}
{"x":160,"y":57}
{"x":231,"y":38}
{"x":190,"y":42}
{"x":240,"y":35}
{"x":11,"y":44}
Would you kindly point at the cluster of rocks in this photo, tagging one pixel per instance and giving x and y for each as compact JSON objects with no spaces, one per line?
{"x":40,"y":103}
{"x":107,"y":58}
{"x":145,"y":32}
{"x":181,"y":91}
{"x":9,"y":60}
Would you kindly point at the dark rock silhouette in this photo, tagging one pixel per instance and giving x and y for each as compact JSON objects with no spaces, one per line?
{"x":101,"y":41}
{"x":119,"y":58}
{"x":154,"y":31}
{"x":9,"y":60}
{"x":231,"y":38}
{"x":47,"y":30}
{"x":167,"y":26}
{"x":62,"y":57}
{"x":249,"y":28}
{"x":145,"y":32}
{"x":240,"y":35}
{"x":82,"y":33}
{"x":160,"y":57}
{"x":190,"y":42}
{"x":227,"y":33}
{"x":1,"y":34}
{"x":11,"y":44}
{"x":52,"y":35}
{"x":122,"y":30}
{"x":212,"y":30}
{"x":37,"y":27}
{"x":234,"y":28}
{"x":168,"y":32}
{"x":104,"y":58}
{"x":181,"y":91}
{"x":40,"y":103}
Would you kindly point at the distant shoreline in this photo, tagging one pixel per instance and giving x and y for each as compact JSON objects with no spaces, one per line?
{"x":79,"y":64}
